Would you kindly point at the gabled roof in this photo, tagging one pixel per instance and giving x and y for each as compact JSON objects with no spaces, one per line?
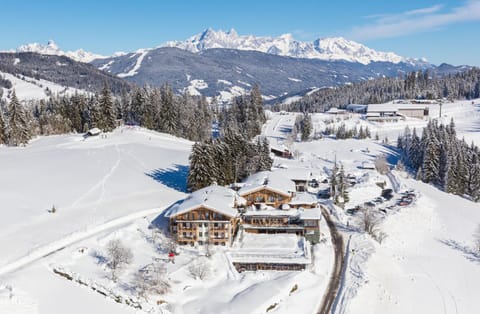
{"x":303,"y":198}
{"x":274,"y":181}
{"x":214,"y":197}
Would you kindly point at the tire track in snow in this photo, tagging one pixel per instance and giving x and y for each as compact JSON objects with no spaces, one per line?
{"x":72,"y":239}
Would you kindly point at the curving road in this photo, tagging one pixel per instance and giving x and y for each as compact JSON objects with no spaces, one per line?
{"x":335,"y":278}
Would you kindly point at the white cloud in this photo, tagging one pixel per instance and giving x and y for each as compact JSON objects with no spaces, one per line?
{"x":414,"y":21}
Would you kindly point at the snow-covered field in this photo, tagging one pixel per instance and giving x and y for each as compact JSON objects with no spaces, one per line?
{"x":28,"y":88}
{"x":114,"y":187}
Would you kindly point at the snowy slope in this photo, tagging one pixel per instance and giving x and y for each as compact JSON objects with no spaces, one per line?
{"x":28,"y":88}
{"x":106,"y":188}
{"x":334,"y":48}
{"x":427,"y":263}
{"x":95,"y":181}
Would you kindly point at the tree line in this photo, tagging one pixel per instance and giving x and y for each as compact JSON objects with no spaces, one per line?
{"x":232,"y":155}
{"x":157,"y":109}
{"x":415,"y":85}
{"x":438,"y":157}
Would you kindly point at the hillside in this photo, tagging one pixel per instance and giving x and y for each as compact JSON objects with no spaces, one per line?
{"x":228,"y":72}
{"x":59,"y":70}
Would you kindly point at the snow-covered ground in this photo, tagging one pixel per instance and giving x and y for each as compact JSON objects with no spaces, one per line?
{"x":28,"y":88}
{"x":427,"y":263}
{"x":114,"y":187}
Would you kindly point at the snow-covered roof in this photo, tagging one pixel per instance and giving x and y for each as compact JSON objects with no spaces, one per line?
{"x":303,"y":198}
{"x":335,"y":110}
{"x":310,"y":213}
{"x":272,"y":212}
{"x":214,"y":197}
{"x":389,"y":107}
{"x":94,"y":131}
{"x":271,"y":248}
{"x":275,"y":181}
{"x":356,"y":107}
{"x":382,"y":108}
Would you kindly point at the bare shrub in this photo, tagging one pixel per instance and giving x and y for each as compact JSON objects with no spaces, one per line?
{"x":150,"y":281}
{"x":369,"y":221}
{"x":118,"y":256}
{"x":199,"y":269}
{"x":381,"y":164}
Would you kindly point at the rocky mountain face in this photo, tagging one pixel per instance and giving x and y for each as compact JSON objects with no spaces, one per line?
{"x":329,"y":49}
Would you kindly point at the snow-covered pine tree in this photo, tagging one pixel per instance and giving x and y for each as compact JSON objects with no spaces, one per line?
{"x":168,"y":113}
{"x":107,"y":112}
{"x":431,"y":160}
{"x":203,"y":171}
{"x":135,"y":112}
{"x":3,"y":129}
{"x":265,"y":162}
{"x":306,"y":127}
{"x":94,"y":112}
{"x":342,"y":186}
{"x":18,"y":130}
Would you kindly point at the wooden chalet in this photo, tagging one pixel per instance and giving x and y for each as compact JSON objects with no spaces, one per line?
{"x":267,"y":188}
{"x":207,"y":216}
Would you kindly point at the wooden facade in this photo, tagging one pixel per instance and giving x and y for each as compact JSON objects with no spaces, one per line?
{"x":203,"y":226}
{"x":300,"y":185}
{"x":267,"y":196}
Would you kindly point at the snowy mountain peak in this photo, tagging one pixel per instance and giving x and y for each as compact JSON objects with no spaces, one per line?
{"x":51,"y":48}
{"x":334,"y":48}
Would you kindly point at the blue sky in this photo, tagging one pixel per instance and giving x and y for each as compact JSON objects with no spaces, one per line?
{"x":441,"y":31}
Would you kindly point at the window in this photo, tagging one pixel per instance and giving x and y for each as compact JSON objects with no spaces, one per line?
{"x":279,"y":198}
{"x":207,"y":215}
{"x":259,"y":199}
{"x":271,"y":198}
{"x":200,"y":234}
{"x":184,"y":234}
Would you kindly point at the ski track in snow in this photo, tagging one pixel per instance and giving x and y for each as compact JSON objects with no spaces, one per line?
{"x":100,"y":184}
{"x":73,"y":238}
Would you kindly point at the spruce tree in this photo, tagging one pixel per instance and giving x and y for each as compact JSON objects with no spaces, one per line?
{"x":3,"y":129}
{"x":168,"y":115}
{"x":306,"y":127}
{"x":107,"y":112}
{"x":202,"y":171}
{"x":18,"y":127}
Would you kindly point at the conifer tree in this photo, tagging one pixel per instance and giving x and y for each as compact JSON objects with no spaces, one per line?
{"x":107,"y":112}
{"x":168,"y":114}
{"x":3,"y":129}
{"x":306,"y":127}
{"x":202,"y":167}
{"x":18,"y":127}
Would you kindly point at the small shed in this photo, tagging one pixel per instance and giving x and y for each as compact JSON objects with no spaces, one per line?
{"x":93,"y":132}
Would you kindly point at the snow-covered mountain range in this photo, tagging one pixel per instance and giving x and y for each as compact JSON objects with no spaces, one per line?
{"x":330,"y":49}
{"x":51,"y":48}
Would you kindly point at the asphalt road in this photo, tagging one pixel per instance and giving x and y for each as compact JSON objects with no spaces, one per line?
{"x":335,"y":278}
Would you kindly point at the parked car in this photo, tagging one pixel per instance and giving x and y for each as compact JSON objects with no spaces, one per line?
{"x":324,"y":194}
{"x":387,"y":194}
